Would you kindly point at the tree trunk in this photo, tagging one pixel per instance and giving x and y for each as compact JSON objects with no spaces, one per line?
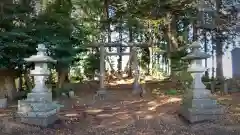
{"x":150,"y":66}
{"x":219,"y":56}
{"x":219,"y":45}
{"x":219,"y":48}
{"x":108,"y":24}
{"x":130,"y":58}
{"x":171,"y":32}
{"x":3,"y":90}
{"x":62,"y":74}
{"x":10,"y":87}
{"x":205,"y":50}
{"x":195,"y":31}
{"x":172,"y":40}
{"x":120,"y":49}
{"x":20,"y":83}
{"x":28,"y":81}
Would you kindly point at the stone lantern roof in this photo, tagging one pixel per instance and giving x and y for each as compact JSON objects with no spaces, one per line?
{"x":41,"y":56}
{"x":196,"y":54}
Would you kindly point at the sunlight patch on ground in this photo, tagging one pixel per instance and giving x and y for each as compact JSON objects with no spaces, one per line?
{"x":94,"y":110}
{"x":224,"y":98}
{"x":105,"y":115}
{"x":147,"y":117}
{"x":116,"y":108}
{"x":125,"y":81}
{"x":123,"y":117}
{"x":132,"y":102}
{"x":71,"y":115}
{"x":153,"y":108}
{"x":120,"y":82}
{"x":4,"y":114}
{"x":139,"y":112}
{"x":153,"y":104}
{"x":174,"y":99}
{"x":122,"y":113}
{"x":126,"y":102}
{"x":160,"y":114}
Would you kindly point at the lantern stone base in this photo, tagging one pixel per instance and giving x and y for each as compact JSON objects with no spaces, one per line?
{"x":197,"y":109}
{"x":42,"y":120}
{"x":35,"y":112}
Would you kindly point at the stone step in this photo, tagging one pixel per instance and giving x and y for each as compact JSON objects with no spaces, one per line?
{"x":24,"y":106}
{"x":201,"y":114}
{"x":44,"y":96}
{"x":200,"y":103}
{"x":207,"y":111}
{"x":38,"y":119}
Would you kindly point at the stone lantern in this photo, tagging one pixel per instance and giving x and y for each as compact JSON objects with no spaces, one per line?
{"x":38,"y":108}
{"x":197,"y":104}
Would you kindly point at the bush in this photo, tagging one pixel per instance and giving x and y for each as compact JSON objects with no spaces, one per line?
{"x":171,"y":92}
{"x":91,"y":64}
{"x":185,"y":79}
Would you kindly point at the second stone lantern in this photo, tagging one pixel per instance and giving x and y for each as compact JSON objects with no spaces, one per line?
{"x":38,"y":109}
{"x":197,"y":104}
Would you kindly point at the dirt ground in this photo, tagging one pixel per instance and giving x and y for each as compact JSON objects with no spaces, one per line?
{"x":122,"y":113}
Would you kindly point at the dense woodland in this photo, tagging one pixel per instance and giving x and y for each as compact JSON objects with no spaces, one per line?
{"x":67,"y":27}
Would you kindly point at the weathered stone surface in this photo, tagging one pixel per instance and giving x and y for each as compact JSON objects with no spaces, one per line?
{"x":201,"y":114}
{"x":37,"y":113}
{"x":24,"y":105}
{"x":38,"y":120}
{"x":38,"y":109}
{"x":195,"y":110}
{"x":203,"y":103}
{"x":44,"y":96}
{"x":197,"y":104}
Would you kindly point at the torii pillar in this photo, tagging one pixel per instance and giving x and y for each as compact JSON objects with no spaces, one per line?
{"x":102,"y":89}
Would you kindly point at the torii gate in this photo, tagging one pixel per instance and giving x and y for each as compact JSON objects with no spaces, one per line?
{"x":102,"y":89}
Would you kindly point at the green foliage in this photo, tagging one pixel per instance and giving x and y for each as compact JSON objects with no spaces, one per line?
{"x":56,"y":93}
{"x":60,"y":32}
{"x":206,"y":77}
{"x":145,"y":59}
{"x":171,"y":92}
{"x":177,"y":64}
{"x":185,"y":79}
{"x":77,"y":79}
{"x":91,"y":65}
{"x":15,"y":41}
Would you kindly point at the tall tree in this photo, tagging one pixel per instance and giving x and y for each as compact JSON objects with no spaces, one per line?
{"x":56,"y":28}
{"x":16,"y":43}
